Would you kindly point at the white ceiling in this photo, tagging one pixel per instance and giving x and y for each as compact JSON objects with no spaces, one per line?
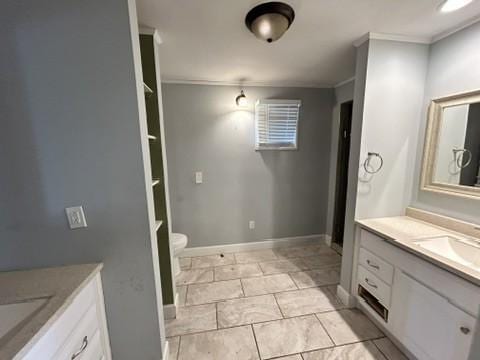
{"x":206,"y":40}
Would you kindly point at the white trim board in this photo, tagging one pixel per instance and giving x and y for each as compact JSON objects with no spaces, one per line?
{"x":251,"y":246}
{"x":346,"y":298}
{"x":166,"y":351}
{"x":344,"y":82}
{"x":170,"y":310}
{"x":295,"y":84}
{"x":392,"y":37}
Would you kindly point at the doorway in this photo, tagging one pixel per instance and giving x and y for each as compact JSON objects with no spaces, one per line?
{"x":346,"y":110}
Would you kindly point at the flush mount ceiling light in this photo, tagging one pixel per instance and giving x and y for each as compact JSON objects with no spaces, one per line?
{"x":452,"y":5}
{"x":241,"y":99}
{"x":269,"y":21}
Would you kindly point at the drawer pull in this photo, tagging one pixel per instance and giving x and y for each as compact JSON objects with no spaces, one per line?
{"x":373,"y":265}
{"x":465,"y":330}
{"x":370,"y":283}
{"x":82,"y":349}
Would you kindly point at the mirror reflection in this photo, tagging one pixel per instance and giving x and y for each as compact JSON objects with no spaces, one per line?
{"x":458,"y":146}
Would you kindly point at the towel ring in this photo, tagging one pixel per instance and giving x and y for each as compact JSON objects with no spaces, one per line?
{"x":366,"y":164}
{"x":459,"y":159}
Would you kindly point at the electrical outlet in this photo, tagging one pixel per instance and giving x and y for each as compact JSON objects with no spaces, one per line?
{"x":198,"y":177}
{"x":251,"y":224}
{"x":76,"y":217}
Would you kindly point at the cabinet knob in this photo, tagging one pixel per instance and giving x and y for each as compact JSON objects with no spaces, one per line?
{"x":465,"y":330}
{"x":82,"y":349}
{"x":371,"y":283}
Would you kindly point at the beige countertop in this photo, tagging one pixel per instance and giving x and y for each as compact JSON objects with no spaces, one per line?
{"x":60,"y":285}
{"x":402,"y":231}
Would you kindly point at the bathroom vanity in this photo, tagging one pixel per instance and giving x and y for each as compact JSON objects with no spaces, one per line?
{"x":53,"y":313}
{"x":420,"y":282}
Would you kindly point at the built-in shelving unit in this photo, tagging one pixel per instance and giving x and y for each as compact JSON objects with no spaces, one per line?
{"x":147,"y":90}
{"x":160,"y":225}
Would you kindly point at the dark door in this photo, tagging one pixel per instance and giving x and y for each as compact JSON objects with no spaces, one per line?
{"x":345,"y":128}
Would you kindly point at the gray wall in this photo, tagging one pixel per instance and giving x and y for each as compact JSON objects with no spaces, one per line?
{"x":453,"y":68}
{"x":70,"y":136}
{"x":284,"y":192}
{"x":392,"y":87}
{"x":343,"y":94}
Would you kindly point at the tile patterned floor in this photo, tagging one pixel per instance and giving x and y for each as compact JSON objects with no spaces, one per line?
{"x":270,"y":304}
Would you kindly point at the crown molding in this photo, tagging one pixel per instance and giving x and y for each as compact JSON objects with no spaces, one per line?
{"x":297,"y":84}
{"x":392,"y":37}
{"x":452,"y":31}
{"x":341,"y":83}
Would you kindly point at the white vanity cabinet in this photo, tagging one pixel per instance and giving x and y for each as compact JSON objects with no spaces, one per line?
{"x":427,"y":323}
{"x":430,"y":311}
{"x":79,"y":333}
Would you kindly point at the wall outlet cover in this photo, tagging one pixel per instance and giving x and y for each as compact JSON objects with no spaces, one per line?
{"x":76,"y":217}
{"x":251,"y":224}
{"x":198,"y":177}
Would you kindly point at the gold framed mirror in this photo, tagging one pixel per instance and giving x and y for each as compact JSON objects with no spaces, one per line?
{"x":451,"y":161}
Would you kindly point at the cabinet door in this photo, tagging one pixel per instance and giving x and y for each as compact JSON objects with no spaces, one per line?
{"x":427,"y":324}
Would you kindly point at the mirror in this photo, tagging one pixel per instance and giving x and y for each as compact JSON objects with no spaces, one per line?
{"x":452,"y":147}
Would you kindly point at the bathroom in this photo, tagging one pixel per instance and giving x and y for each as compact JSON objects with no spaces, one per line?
{"x":184,"y":183}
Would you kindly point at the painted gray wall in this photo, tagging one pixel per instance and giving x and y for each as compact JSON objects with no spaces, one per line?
{"x":70,"y":136}
{"x":453,"y":68}
{"x":284,"y":192}
{"x":343,"y":93}
{"x":392,"y":88}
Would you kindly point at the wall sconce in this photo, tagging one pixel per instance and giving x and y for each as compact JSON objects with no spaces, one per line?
{"x":241,"y":99}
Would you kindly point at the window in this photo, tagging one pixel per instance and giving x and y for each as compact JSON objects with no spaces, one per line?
{"x":276,"y":123}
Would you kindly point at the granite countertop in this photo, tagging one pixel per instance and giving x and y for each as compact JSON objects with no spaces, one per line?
{"x":59,"y":285}
{"x":402,"y":231}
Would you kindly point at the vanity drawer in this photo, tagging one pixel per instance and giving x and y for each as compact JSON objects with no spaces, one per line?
{"x":374,"y":285}
{"x":81,"y":336}
{"x":376,"y":265}
{"x":58,"y":333}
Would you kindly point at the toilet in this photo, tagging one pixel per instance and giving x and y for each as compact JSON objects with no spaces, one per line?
{"x":179,"y":242}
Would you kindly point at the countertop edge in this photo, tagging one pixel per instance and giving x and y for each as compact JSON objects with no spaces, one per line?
{"x":457,"y":271}
{"x":27,"y":346}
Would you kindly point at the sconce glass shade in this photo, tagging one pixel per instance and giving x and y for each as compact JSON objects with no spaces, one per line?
{"x":241,"y":99}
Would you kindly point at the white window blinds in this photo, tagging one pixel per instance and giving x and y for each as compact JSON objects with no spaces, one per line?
{"x":276,"y":124}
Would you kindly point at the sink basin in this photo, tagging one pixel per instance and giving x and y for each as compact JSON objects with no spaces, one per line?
{"x":12,"y":315}
{"x":464,"y":252}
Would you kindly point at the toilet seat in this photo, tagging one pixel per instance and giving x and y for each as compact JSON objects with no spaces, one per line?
{"x":179,"y":242}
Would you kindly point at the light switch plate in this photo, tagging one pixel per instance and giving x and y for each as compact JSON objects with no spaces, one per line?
{"x":198,"y":177}
{"x":251,"y":224}
{"x":76,"y":217}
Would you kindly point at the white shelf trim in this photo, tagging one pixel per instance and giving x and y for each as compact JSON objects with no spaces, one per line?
{"x":155,"y":182}
{"x":158,"y":223}
{"x":151,"y":137}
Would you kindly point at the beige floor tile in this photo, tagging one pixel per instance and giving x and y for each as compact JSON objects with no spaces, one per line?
{"x":348,"y":326}
{"x":291,"y":357}
{"x":267,"y":284}
{"x":173,"y":344}
{"x":389,"y":350}
{"x":195,"y":276}
{"x":320,"y":277}
{"x":283,"y":266}
{"x":212,"y":260}
{"x":185,"y":263}
{"x":182,"y":295}
{"x":358,"y":351}
{"x":230,"y":272}
{"x":211,"y":292}
{"x":302,"y":251}
{"x":226,"y":344}
{"x":192,"y":319}
{"x":307,"y":301}
{"x":322,"y":260}
{"x":247,"y":311}
{"x":255,"y":256}
{"x":290,"y":336}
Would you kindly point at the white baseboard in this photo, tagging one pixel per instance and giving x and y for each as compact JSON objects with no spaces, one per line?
{"x":170,"y":310}
{"x":166,"y":351}
{"x":346,"y":298}
{"x":251,"y":246}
